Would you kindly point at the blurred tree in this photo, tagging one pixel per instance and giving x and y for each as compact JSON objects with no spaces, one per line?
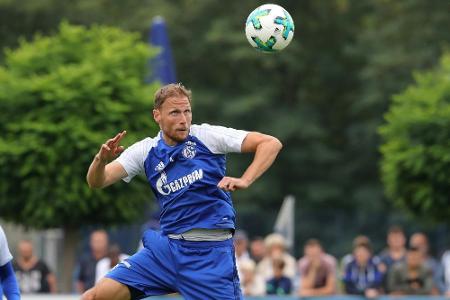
{"x":61,"y":97}
{"x":416,"y":148}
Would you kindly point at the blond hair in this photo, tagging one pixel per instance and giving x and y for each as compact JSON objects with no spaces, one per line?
{"x":171,"y":90}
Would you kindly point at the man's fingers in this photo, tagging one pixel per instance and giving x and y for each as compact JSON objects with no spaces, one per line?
{"x":109,"y":142}
{"x":119,"y":149}
{"x":121,"y":135}
{"x":105,"y":147}
{"x":227,"y":184}
{"x":115,"y":140}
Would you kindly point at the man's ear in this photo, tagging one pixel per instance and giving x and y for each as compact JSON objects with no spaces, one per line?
{"x":156,"y":115}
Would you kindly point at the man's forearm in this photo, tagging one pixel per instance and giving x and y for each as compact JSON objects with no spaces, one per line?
{"x":265,"y":155}
{"x":96,"y":173}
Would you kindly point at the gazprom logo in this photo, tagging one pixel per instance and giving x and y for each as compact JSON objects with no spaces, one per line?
{"x":165,"y":188}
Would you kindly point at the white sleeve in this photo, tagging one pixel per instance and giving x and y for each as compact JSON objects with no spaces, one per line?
{"x":5,"y":255}
{"x":219,"y":139}
{"x":132,"y":159}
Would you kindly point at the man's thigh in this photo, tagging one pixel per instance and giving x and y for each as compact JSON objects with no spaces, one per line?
{"x":207,"y":270}
{"x":149,"y":272}
{"x":107,"y":289}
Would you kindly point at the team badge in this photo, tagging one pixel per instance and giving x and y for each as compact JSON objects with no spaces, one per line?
{"x":189,"y":150}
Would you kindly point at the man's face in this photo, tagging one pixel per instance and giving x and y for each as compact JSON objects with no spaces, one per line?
{"x":362,"y":255}
{"x":26,"y":250}
{"x":396,"y":240}
{"x":419,"y":241}
{"x":99,"y":244}
{"x":258,"y":248}
{"x":313,"y":252}
{"x":174,"y":118}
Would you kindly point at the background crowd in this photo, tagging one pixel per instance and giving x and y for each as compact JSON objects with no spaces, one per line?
{"x":404,"y":267}
{"x":266,"y":267}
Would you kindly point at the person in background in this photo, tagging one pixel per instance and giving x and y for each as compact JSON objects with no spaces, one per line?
{"x":349,"y":257}
{"x":252,"y":284}
{"x":98,"y":244}
{"x":240,"y":242}
{"x":279,"y":285}
{"x":361,"y":274}
{"x":275,"y":245}
{"x":411,"y":277}
{"x":317,"y":271}
{"x":257,"y":249}
{"x":32,"y":273}
{"x":394,"y":253}
{"x":8,"y":282}
{"x":419,"y":240}
{"x":105,"y":264}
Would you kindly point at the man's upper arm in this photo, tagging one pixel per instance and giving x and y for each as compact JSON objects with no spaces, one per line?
{"x":252,"y":140}
{"x":114,"y":171}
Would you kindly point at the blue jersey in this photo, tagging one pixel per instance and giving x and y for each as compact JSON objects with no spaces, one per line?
{"x":184,"y":177}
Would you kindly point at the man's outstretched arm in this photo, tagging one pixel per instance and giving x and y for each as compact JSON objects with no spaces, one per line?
{"x":266,"y":149}
{"x":102,"y":172}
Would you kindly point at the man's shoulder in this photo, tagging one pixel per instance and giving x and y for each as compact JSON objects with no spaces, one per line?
{"x":209,"y":128}
{"x":145,"y":144}
{"x":40,"y":264}
{"x":197,"y":129}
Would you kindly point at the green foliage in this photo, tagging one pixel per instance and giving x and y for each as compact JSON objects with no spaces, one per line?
{"x":416,"y":149}
{"x":61,"y":97}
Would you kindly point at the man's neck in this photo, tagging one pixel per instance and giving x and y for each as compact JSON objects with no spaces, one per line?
{"x":27,"y":263}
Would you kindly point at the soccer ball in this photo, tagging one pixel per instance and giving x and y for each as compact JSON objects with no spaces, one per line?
{"x":269,"y":28}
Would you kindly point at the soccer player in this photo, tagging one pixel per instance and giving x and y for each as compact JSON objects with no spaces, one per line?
{"x":185,"y":166}
{"x":8,"y":282}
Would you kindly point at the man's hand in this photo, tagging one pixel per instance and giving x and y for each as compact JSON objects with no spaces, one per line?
{"x":111,"y":149}
{"x":231,"y":184}
{"x":101,"y":172}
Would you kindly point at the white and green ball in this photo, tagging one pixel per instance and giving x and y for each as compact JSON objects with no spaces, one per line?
{"x":269,"y":28}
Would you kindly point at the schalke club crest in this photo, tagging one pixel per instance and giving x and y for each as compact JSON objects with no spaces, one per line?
{"x":189,"y":150}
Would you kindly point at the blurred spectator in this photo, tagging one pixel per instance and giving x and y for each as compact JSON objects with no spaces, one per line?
{"x":317,"y":271}
{"x":252,"y":284}
{"x":275,"y":246}
{"x":240,"y":242}
{"x":257,"y":249}
{"x":446,"y":267}
{"x":419,"y":240}
{"x":346,"y":259}
{"x":98,"y":249}
{"x":411,"y":277}
{"x":104,"y":265}
{"x":395,"y":252}
{"x":8,"y":282}
{"x":361,"y":275}
{"x":32,"y":273}
{"x":278,"y":285}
